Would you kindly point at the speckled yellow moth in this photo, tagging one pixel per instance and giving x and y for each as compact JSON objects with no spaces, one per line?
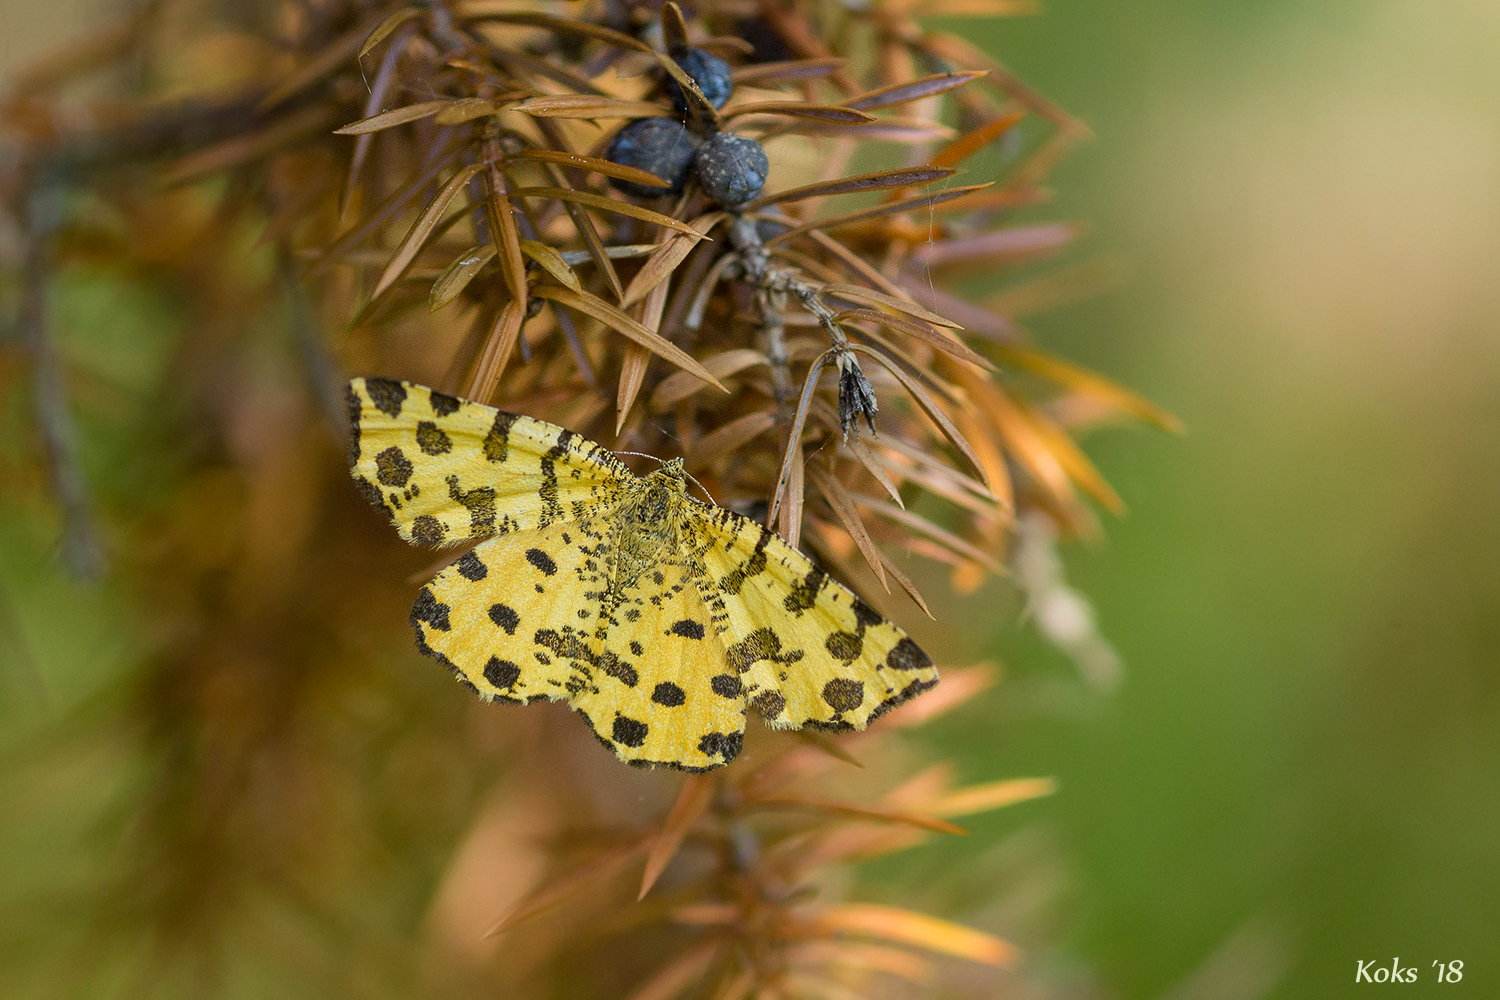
{"x":659,"y":618}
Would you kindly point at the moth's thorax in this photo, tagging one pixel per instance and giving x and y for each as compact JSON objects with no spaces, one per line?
{"x":647,"y":520}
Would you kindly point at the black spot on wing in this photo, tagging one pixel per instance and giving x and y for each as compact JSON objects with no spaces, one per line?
{"x":430,"y":610}
{"x":668,"y":694}
{"x":844,"y":646}
{"x":754,"y":564}
{"x":392,"y":467}
{"x":502,"y":673}
{"x":636,"y":648}
{"x":725,"y":685}
{"x":497,"y":441}
{"x":844,"y":695}
{"x":480,"y":503}
{"x":432,"y":440}
{"x":427,"y":530}
{"x":687,"y":629}
{"x":805,"y":592}
{"x":505,"y":616}
{"x":471,"y":567}
{"x":865,"y":615}
{"x":762,"y":644}
{"x":541,"y":561}
{"x":354,"y":407}
{"x":387,"y":394}
{"x":907,"y":655}
{"x":551,"y":508}
{"x":629,"y":731}
{"x":444,"y":404}
{"x":563,"y":644}
{"x":769,"y":704}
{"x":724,"y":745}
{"x":617,"y":668}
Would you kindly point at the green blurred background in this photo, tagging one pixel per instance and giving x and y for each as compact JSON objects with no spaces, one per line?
{"x":1301,"y":767}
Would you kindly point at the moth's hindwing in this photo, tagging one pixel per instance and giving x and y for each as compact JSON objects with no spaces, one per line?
{"x":514,"y":617}
{"x":666,"y":697}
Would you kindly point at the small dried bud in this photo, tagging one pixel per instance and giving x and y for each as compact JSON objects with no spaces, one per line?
{"x":657,"y":145}
{"x":709,"y":72}
{"x":856,"y":396}
{"x":732,"y":169}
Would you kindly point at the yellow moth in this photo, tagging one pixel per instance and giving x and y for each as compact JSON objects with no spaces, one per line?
{"x":657,"y":617}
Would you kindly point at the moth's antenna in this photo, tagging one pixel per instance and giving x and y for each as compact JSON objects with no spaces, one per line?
{"x":642,"y":454}
{"x":685,"y":472}
{"x":701,"y":487}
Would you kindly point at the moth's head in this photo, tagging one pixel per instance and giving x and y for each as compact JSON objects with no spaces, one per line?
{"x":669,"y":476}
